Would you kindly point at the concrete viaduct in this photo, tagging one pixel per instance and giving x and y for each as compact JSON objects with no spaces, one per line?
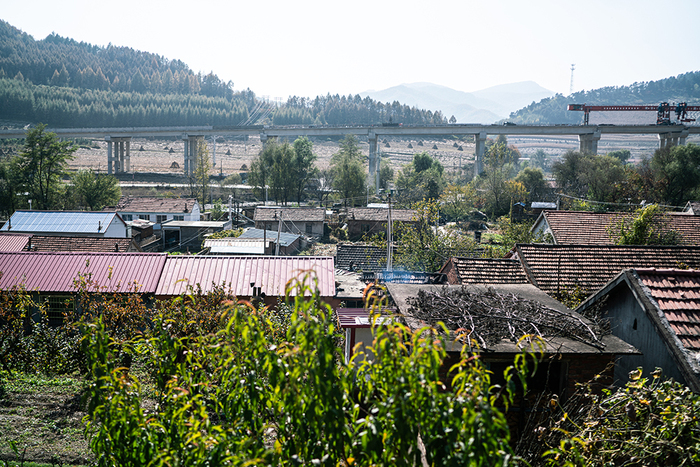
{"x":118,"y":139}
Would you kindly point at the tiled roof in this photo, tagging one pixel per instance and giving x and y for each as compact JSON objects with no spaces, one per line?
{"x":74,"y":243}
{"x":489,"y":271}
{"x":272,"y":273}
{"x":289,"y":214}
{"x":68,"y":222}
{"x":555,"y":268}
{"x":13,"y":242}
{"x":380,"y":214}
{"x":677,"y":293}
{"x":154,"y":205}
{"x":591,"y":228}
{"x":56,"y":272}
{"x":357,"y":257}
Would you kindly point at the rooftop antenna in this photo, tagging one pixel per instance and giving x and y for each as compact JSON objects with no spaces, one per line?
{"x":571,"y":86}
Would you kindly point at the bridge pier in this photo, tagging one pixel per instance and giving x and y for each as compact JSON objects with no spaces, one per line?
{"x":480,"y":149}
{"x":588,"y":143}
{"x":373,"y":159}
{"x":190,"y":155}
{"x":670,"y":139}
{"x":118,"y":154}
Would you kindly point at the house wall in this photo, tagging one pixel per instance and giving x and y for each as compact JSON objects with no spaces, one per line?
{"x":116,"y":229}
{"x":623,"y":310}
{"x":296,"y":227}
{"x":153,"y":216}
{"x":450,"y":270}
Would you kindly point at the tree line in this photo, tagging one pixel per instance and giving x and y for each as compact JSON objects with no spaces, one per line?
{"x":60,"y":61}
{"x":682,"y":88}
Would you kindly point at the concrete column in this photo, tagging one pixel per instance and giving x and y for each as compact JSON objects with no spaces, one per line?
{"x":127,"y":158}
{"x":109,"y":155}
{"x":193,"y":153}
{"x":682,"y":136}
{"x":373,"y":159}
{"x":121,"y":155}
{"x":665,"y":140}
{"x":263,"y":140}
{"x":186,"y":155}
{"x":588,"y":143}
{"x":480,"y":142}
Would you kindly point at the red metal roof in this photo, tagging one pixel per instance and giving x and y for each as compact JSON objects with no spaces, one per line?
{"x":13,"y":242}
{"x":271,"y":273}
{"x":56,"y":272}
{"x":677,"y":292}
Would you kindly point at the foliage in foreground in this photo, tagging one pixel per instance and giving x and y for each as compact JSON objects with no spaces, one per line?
{"x":647,"y":422}
{"x":255,"y":393}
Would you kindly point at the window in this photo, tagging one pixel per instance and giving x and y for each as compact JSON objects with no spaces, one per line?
{"x":309,"y":228}
{"x":161,"y":218}
{"x":178,"y":217}
{"x":128,"y":217}
{"x":56,"y":307}
{"x":146,"y":217}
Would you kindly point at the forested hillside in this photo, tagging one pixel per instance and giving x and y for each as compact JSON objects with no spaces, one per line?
{"x":61,"y":82}
{"x":681,"y":88}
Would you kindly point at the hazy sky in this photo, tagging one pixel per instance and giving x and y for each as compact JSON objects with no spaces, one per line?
{"x":306,"y":48}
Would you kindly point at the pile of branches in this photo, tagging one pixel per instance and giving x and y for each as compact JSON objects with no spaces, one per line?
{"x":489,"y":317}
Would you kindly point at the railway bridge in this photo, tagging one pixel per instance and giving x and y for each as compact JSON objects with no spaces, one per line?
{"x":119,"y":154}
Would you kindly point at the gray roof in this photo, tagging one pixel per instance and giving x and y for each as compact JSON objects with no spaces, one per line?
{"x":400,"y":293}
{"x":286,"y":239}
{"x":289,"y":214}
{"x":68,"y":222}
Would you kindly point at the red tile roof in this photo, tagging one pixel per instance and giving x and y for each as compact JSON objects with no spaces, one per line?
{"x":591,"y":228}
{"x":677,"y":293}
{"x":13,"y":242}
{"x":380,"y":214}
{"x":154,"y":205}
{"x":85,"y":244}
{"x":488,"y":271}
{"x":555,"y":268}
{"x":289,"y":214}
{"x":272,"y":273}
{"x":56,"y":272}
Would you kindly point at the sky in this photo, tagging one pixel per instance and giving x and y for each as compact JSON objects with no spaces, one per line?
{"x":281,"y":48}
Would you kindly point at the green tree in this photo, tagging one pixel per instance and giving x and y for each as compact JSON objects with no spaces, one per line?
{"x":386,"y":174}
{"x":496,"y":193}
{"x":457,"y":201}
{"x":96,"y":191}
{"x":423,"y":178}
{"x":303,"y":165}
{"x":647,"y":227}
{"x":273,"y":170}
{"x":677,"y":171}
{"x":348,"y":170}
{"x":424,"y":246}
{"x":623,"y":155}
{"x":604,"y":177}
{"x":41,"y":165}
{"x":534,"y":182}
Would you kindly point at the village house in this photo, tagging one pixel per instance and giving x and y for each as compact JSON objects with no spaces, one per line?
{"x":596,"y":228}
{"x":55,"y":278}
{"x":369,"y":221}
{"x":658,"y":312}
{"x":157,"y":210}
{"x":582,"y":269}
{"x":302,"y":221}
{"x":68,"y":223}
{"x":255,"y":242}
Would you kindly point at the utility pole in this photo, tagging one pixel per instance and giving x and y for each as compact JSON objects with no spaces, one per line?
{"x":389,"y":250}
{"x":279,"y":229}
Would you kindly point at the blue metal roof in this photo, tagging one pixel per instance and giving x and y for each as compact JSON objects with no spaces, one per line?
{"x":59,"y":222}
{"x":286,"y":238}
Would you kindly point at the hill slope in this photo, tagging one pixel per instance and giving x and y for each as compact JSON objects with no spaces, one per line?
{"x":553,"y":110}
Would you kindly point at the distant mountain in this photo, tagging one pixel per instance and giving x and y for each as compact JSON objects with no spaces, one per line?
{"x":553,"y":110}
{"x":485,"y":106}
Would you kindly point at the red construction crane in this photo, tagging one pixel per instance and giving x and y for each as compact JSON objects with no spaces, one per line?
{"x":663,"y":111}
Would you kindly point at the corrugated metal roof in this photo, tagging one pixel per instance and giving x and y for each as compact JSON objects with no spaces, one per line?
{"x":13,"y":242}
{"x":286,"y":238}
{"x":59,"y":222}
{"x":271,"y":273}
{"x":56,"y":272}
